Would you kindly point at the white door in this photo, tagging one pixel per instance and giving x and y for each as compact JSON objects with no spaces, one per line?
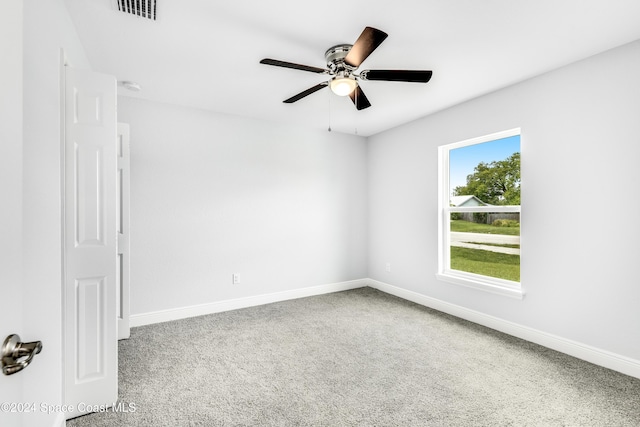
{"x":11,"y":387}
{"x":122,"y":225}
{"x":90,"y":240}
{"x":11,"y":147}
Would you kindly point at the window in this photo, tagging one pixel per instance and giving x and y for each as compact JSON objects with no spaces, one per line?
{"x":479,"y":213}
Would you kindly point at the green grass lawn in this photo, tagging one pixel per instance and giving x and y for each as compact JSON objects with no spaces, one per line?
{"x":472,"y":227}
{"x":487,"y":263}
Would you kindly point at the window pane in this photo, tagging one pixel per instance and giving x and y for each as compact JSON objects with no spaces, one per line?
{"x":485,"y":174}
{"x":486,"y":243}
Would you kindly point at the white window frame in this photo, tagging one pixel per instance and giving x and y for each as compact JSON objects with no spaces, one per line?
{"x":445,"y":273}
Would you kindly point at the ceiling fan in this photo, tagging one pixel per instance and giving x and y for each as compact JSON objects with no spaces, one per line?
{"x":342,"y":62}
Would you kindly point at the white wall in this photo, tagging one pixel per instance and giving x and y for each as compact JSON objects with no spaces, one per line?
{"x":286,"y":208}
{"x":10,"y":191}
{"x":580,"y":150}
{"x":47,"y":29}
{"x":213,"y":195}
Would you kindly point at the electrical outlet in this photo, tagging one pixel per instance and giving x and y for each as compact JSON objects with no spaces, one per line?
{"x":388,"y":267}
{"x":235,"y":278}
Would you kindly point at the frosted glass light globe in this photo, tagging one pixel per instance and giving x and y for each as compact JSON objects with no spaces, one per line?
{"x":343,"y":86}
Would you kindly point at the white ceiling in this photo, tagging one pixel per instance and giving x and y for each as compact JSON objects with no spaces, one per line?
{"x":206,"y":53}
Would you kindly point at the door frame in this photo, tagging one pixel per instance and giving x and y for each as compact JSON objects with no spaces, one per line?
{"x":124,"y":230}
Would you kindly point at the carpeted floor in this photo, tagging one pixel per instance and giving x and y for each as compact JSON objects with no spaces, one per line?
{"x":355,"y":358}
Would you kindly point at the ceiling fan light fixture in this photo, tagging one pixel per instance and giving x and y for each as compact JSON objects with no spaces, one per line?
{"x":343,"y":86}
{"x":342,"y":62}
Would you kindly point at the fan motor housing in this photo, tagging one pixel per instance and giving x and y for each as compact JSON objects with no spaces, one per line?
{"x":335,"y":57}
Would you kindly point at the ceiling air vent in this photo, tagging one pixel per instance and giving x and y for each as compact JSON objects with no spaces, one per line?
{"x":140,"y":8}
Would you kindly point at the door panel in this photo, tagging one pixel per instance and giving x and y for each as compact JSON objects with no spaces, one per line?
{"x":89,"y":205}
{"x":91,"y":329}
{"x":90,"y":240}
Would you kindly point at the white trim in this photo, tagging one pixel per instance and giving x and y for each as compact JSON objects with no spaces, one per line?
{"x":616,"y":362}
{"x":476,"y":281}
{"x":607,"y":359}
{"x":445,"y":273}
{"x":443,"y":202}
{"x":485,"y":138}
{"x":490,"y":208}
{"x":234,"y":304}
{"x":61,"y":417}
{"x":61,"y":420}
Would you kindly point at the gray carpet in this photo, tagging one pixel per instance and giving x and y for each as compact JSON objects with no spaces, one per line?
{"x":356,"y":358}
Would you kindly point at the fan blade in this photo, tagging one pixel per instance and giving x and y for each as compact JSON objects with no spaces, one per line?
{"x":368,"y":41}
{"x":269,"y":61}
{"x":418,"y":76}
{"x":359,"y":99}
{"x":304,"y":93}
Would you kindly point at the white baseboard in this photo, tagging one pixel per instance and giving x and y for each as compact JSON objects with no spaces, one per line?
{"x":234,"y":304}
{"x":594,"y":355}
{"x":61,"y":420}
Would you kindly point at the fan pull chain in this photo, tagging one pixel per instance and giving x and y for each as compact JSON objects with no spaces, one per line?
{"x":329,"y":129}
{"x":356,"y":115}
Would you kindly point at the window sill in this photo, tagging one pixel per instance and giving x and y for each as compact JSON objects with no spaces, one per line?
{"x":497,"y":286}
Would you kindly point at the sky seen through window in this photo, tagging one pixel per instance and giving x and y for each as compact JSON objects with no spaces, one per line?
{"x":463,"y":160}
